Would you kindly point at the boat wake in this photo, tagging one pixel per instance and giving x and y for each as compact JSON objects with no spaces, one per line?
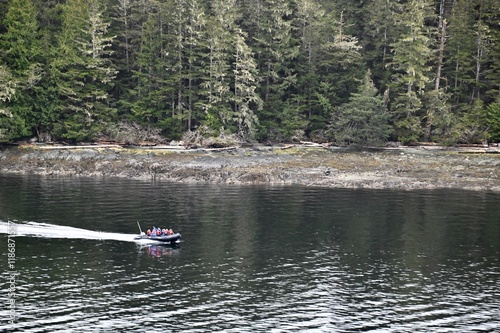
{"x":46,"y":230}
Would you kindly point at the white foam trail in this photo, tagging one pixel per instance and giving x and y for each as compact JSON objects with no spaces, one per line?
{"x":47,"y":230}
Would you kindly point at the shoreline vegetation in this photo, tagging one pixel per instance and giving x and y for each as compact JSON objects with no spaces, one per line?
{"x":404,"y":168}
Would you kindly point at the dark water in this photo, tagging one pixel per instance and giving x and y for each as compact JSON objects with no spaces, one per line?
{"x":253,"y":259}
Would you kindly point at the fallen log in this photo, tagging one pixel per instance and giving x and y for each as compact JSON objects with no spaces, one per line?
{"x":78,"y":147}
{"x":218,"y":149}
{"x":472,"y":145}
{"x":310,"y":144}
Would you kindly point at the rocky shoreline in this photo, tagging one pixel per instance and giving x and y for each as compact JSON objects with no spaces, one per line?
{"x":403,"y":168}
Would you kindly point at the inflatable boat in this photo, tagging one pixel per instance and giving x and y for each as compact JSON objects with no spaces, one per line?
{"x":165,"y":239}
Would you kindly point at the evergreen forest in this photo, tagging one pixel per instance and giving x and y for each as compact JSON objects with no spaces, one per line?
{"x":351,"y":72}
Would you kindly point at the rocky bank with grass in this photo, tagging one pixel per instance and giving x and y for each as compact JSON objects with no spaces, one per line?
{"x":402,"y":168}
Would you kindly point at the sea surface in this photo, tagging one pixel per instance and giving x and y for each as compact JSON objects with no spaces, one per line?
{"x":252,"y":258}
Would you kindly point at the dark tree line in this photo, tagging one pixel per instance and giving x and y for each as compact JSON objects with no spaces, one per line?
{"x":357,"y":72}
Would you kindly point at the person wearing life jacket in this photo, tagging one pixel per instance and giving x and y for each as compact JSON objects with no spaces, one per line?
{"x":158,"y":232}
{"x":153,"y":233}
{"x":148,"y":232}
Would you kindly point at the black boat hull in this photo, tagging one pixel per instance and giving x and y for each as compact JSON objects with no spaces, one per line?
{"x":165,"y":239}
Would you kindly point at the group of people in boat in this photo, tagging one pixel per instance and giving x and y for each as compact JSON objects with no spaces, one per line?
{"x":159,"y":232}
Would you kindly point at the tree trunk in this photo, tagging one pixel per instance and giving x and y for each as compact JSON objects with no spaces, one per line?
{"x":442,"y":41}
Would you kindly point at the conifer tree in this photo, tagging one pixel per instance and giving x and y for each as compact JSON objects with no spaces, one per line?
{"x":330,"y":62}
{"x":380,"y":32}
{"x":460,"y":51}
{"x":483,"y":41}
{"x":149,"y":97}
{"x":493,"y":76}
{"x":271,"y":39}
{"x":493,"y":121}
{"x":339,"y":57}
{"x":195,"y":49}
{"x":491,"y":72}
{"x":22,"y":53}
{"x":216,"y":84}
{"x":412,"y":71}
{"x":472,"y":62}
{"x":246,"y":99}
{"x":126,"y":20}
{"x":84,"y":70}
{"x":363,"y":120}
{"x":7,"y":91}
{"x":123,"y":11}
{"x":439,"y":119}
{"x":309,"y":18}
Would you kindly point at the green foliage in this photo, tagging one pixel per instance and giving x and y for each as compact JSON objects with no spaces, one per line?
{"x":215,"y":86}
{"x":381,"y":31}
{"x":473,"y":127}
{"x":412,"y":54}
{"x":246,"y":100}
{"x":206,"y":137}
{"x":406,"y":117}
{"x":21,"y":46}
{"x":293,"y":123}
{"x":7,"y":88}
{"x":271,"y":69}
{"x":363,"y":120}
{"x":440,"y":121}
{"x":32,"y":106}
{"x":83,"y":71}
{"x":493,"y":121}
{"x":270,"y":28}
{"x":148,"y":95}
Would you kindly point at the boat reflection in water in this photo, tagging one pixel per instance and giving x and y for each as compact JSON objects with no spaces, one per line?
{"x":162,"y":250}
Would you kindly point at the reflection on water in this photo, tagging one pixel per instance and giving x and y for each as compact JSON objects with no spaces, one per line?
{"x":255,"y":259}
{"x":162,"y":250}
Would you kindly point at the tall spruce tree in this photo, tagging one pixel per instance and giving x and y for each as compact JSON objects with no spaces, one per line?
{"x":271,"y":39}
{"x":334,"y":67}
{"x":439,"y":119}
{"x":493,"y":121}
{"x":363,"y":120}
{"x":217,"y":82}
{"x":308,"y":24}
{"x":126,"y":20}
{"x":21,"y":52}
{"x":246,"y":100}
{"x":339,"y":57}
{"x":460,"y":51}
{"x":84,"y":71}
{"x":195,"y":50}
{"x":411,"y":58}
{"x":380,"y":33}
{"x":491,"y":75}
{"x":471,"y":62}
{"x":148,"y":95}
{"x":7,"y":91}
{"x":123,"y":10}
